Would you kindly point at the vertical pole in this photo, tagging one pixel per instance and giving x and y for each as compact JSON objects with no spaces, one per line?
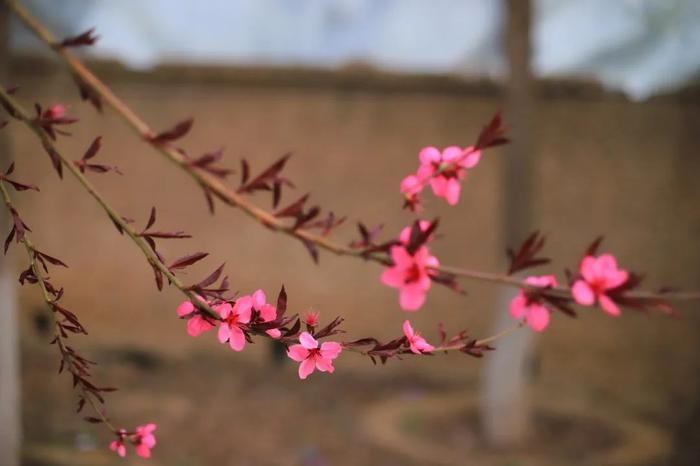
{"x":10,"y":424}
{"x":505,"y":395}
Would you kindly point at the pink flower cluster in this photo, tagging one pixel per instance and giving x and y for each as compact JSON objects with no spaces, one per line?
{"x":599,"y":277}
{"x":142,"y":439}
{"x":234,"y":318}
{"x":529,"y":307}
{"x":237,"y":317}
{"x":411,"y":271}
{"x":443,"y":171}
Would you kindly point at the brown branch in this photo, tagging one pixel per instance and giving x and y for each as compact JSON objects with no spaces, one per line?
{"x":234,"y":199}
{"x":20,"y":113}
{"x":68,"y":357}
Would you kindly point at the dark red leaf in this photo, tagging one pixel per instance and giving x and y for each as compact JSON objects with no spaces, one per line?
{"x":87,"y":93}
{"x":178,"y":131}
{"x":186,"y":261}
{"x":492,"y":135}
{"x":311,"y":247}
{"x":151,"y":219}
{"x":93,"y":149}
{"x":293,"y":209}
{"x":84,"y":39}
{"x":281,"y":302}
{"x":55,"y":158}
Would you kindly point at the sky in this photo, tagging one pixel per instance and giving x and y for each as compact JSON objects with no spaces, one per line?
{"x":641,"y":47}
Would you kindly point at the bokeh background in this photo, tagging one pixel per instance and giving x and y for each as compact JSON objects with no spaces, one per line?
{"x":604,"y":106}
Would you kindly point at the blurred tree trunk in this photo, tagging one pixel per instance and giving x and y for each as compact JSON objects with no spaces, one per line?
{"x":505,"y":395}
{"x":10,"y":426}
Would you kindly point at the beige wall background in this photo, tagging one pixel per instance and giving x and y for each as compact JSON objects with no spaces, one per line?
{"x":604,"y":166}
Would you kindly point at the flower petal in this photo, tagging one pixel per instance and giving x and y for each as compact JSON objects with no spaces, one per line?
{"x":609,"y":305}
{"x":439,"y":185}
{"x":401,"y":257}
{"x":331,"y":349}
{"x":185,"y":308}
{"x":393,"y":277}
{"x":268,"y":312}
{"x":306,"y":367}
{"x":589,"y":268}
{"x":307,"y":341}
{"x":324,"y":365}
{"x":453,"y":190}
{"x":197,"y":325}
{"x":297,"y":353}
{"x":583,"y":294}
{"x":537,"y":317}
{"x":224,"y":310}
{"x":259,"y":299}
{"x":237,"y":339}
{"x":407,"y":329}
{"x":472,"y":158}
{"x":143,"y":451}
{"x":411,"y":297}
{"x":518,"y":307}
{"x":429,"y":155}
{"x":224,"y":333}
{"x":451,"y":153}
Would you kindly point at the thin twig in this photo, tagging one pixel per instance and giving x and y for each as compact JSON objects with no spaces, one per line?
{"x":22,"y":114}
{"x":60,"y":339}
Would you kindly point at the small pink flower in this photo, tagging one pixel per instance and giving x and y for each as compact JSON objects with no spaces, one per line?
{"x":196,"y":323}
{"x":311,"y":319}
{"x":405,"y":235}
{"x":417,"y":343}
{"x":445,"y":169}
{"x":312,"y":357}
{"x":233,"y":318}
{"x":530,"y":308}
{"x":411,"y":187}
{"x":54,"y":112}
{"x":599,"y":275}
{"x":118,"y":445}
{"x":144,"y":440}
{"x":410,"y":274}
{"x":267,"y":312}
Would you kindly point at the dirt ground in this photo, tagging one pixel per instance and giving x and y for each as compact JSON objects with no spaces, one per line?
{"x":225,"y":410}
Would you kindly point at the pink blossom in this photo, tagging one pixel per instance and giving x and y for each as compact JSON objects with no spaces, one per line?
{"x":417,"y":343}
{"x":118,"y":445}
{"x":54,"y":112}
{"x":410,"y":274}
{"x":529,"y":307}
{"x":411,"y":187}
{"x":600,"y":275}
{"x":405,"y":235}
{"x":445,"y":169}
{"x":144,"y":440}
{"x":233,"y":318}
{"x":312,"y":357}
{"x":196,"y":323}
{"x":311,"y":318}
{"x":267,"y":312}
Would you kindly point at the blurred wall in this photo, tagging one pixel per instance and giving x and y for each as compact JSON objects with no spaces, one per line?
{"x":605,"y":166}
